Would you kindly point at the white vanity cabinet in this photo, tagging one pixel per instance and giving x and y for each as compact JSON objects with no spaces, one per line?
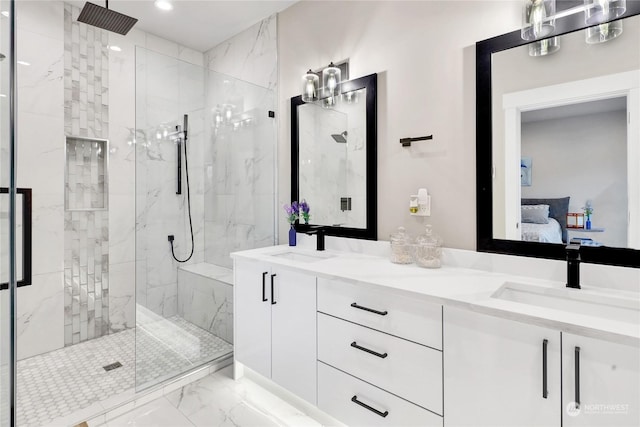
{"x":604,"y":378}
{"x":275,"y":325}
{"x":495,"y":373}
{"x":379,"y":356}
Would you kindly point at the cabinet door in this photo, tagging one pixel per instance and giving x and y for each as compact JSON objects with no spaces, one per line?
{"x":494,"y":372}
{"x":293,"y":318}
{"x":606,"y":382}
{"x":252,"y":316}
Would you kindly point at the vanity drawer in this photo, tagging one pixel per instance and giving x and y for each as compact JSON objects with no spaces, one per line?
{"x":394,"y":314}
{"x":401,"y":367}
{"x":336,"y":391}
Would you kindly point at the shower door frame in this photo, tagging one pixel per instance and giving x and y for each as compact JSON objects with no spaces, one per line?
{"x":9,"y":319}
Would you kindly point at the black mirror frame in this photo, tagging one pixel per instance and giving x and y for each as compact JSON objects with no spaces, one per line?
{"x":484,"y":137}
{"x":370,"y":232}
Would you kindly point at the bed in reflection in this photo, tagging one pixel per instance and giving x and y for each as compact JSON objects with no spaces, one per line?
{"x":544,"y":220}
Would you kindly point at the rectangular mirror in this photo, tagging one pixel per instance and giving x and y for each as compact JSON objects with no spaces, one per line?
{"x":333,"y":159}
{"x":558,"y":148}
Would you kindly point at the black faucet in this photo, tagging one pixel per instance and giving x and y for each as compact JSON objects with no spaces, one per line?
{"x":319,"y":231}
{"x":573,"y":266}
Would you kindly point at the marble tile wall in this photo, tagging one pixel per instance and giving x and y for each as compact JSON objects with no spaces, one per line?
{"x":250,"y":55}
{"x":41,"y":136}
{"x":240,"y":161}
{"x":207,"y":302}
{"x":86,"y":109}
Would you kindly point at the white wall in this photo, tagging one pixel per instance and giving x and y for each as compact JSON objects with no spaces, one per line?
{"x":424,"y":54}
{"x":584,"y":157}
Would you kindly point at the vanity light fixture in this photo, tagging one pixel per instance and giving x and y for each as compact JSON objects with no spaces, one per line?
{"x":331,"y":80}
{"x":538,"y":19}
{"x":544,"y":47}
{"x":332,"y":77}
{"x":599,"y":11}
{"x":603,"y":32}
{"x":310,"y":83}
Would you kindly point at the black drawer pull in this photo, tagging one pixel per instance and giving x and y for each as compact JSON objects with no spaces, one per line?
{"x":355,"y":400}
{"x":366,"y":350}
{"x":577,"y":376}
{"x":370,"y":310}
{"x":545,"y":392}
{"x":264,"y":278}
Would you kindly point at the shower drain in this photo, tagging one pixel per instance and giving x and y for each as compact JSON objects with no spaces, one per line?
{"x":112,"y":366}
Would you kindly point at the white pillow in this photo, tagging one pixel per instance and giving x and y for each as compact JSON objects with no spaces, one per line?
{"x":535,"y":214}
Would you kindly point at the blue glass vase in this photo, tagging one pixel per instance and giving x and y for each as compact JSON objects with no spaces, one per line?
{"x":588,"y":224}
{"x":292,"y":236}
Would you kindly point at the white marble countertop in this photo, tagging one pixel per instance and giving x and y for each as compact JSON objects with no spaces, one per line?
{"x":460,"y":287}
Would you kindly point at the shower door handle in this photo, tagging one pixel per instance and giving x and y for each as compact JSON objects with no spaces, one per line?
{"x":27,"y":225}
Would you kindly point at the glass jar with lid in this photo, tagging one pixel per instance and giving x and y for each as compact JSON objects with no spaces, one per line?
{"x":401,"y":247}
{"x":428,"y":250}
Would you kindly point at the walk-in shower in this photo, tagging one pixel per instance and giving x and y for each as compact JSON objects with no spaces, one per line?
{"x":119,"y":150}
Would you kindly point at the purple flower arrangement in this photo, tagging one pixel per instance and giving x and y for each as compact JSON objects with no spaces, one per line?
{"x":296,"y":210}
{"x":304,"y":211}
{"x":292,"y":211}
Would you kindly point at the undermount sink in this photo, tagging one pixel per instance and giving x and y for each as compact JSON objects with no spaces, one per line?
{"x":613,"y":307}
{"x":303,"y":257}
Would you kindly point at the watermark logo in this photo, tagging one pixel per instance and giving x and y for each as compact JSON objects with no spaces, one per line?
{"x":574,"y":409}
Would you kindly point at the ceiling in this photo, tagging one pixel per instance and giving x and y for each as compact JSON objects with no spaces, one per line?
{"x":198,"y":24}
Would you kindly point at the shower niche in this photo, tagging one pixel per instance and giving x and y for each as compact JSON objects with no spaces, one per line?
{"x":86,"y":174}
{"x":86,"y":258}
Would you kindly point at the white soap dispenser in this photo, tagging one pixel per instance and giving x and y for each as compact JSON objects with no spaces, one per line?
{"x":423,"y":202}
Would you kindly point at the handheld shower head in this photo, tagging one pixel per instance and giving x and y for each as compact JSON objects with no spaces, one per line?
{"x":340,"y":138}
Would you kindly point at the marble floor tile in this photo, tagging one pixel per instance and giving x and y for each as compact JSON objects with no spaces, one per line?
{"x":158,"y":413}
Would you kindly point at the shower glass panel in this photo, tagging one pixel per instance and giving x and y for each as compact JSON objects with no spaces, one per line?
{"x":7,"y":248}
{"x":184,"y":309}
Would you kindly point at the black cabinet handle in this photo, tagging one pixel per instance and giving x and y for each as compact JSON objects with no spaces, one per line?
{"x":273,"y":301}
{"x":264,"y":279}
{"x":545,"y":392}
{"x":370,"y":310}
{"x":577,"y":375}
{"x":355,"y":400}
{"x":366,"y":350}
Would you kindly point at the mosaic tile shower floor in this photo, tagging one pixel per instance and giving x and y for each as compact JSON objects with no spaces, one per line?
{"x":64,"y":381}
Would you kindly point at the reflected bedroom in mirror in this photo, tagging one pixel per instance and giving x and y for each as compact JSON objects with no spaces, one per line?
{"x":333,"y":155}
{"x":565,"y":142}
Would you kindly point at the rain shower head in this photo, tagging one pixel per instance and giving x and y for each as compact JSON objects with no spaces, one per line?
{"x":340,"y":138}
{"x":103,"y":17}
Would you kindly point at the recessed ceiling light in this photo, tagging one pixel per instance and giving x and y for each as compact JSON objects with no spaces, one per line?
{"x":5,"y":13}
{"x":23,"y":63}
{"x":115,"y":48}
{"x":163,"y":4}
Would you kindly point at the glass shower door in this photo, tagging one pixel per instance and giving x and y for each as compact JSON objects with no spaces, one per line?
{"x":7,"y":214}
